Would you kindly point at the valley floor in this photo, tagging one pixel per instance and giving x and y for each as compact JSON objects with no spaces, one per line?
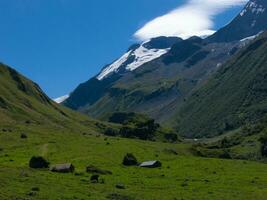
{"x":181,"y":176}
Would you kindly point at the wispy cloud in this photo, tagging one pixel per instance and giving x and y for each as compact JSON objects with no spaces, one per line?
{"x":195,"y":17}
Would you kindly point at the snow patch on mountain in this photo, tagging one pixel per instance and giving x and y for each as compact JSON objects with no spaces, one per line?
{"x":113,"y":67}
{"x":251,"y":37}
{"x":141,"y":56}
{"x":61,"y":99}
{"x":144,"y":55}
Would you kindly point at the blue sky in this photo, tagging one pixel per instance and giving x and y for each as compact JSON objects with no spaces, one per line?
{"x":61,"y":43}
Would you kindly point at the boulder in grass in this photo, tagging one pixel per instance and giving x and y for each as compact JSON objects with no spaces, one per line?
{"x":94,"y":178}
{"x":120,"y":186}
{"x":23,"y":136}
{"x":38,"y":162}
{"x":94,"y":170}
{"x":129,"y":160}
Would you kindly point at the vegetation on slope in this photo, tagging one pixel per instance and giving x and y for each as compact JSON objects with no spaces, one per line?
{"x":156,"y":88}
{"x":140,"y":126}
{"x":235,"y":96}
{"x":22,"y":102}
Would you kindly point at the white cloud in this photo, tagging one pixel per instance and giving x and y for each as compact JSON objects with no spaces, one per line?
{"x":193,"y":18}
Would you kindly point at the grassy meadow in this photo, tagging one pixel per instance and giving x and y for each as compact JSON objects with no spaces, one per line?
{"x":182,"y":175}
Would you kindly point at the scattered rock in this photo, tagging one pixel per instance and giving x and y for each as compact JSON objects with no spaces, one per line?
{"x":27,"y":122}
{"x":38,"y":162}
{"x":120,"y":186}
{"x":184,"y":184}
{"x":94,"y":170}
{"x":36,"y":189}
{"x":32,"y":193}
{"x":94,"y":178}
{"x":129,"y":160}
{"x":23,"y":136}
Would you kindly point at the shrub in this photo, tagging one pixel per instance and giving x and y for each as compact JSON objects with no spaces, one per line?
{"x":110,"y":132}
{"x":263,"y":141}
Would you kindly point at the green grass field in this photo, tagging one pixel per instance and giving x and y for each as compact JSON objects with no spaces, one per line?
{"x":181,"y":176}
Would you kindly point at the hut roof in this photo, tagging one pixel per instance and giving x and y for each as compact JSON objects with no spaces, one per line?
{"x":62,"y":167}
{"x":149,"y":163}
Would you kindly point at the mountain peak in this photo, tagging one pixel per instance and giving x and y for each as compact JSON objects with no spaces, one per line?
{"x":254,"y":7}
{"x":250,"y":21}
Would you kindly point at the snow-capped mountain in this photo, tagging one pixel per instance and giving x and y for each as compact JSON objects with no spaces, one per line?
{"x":250,"y":21}
{"x":156,"y":76}
{"x":138,"y":55}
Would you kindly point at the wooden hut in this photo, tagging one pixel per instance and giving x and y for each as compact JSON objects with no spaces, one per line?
{"x":63,"y":168}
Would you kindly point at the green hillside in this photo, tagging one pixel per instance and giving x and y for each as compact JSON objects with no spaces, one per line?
{"x":32,"y":125}
{"x":235,"y":96}
{"x":23,"y":103}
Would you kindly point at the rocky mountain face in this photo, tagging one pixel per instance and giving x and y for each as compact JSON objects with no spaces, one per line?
{"x":249,"y":22}
{"x":158,"y":76}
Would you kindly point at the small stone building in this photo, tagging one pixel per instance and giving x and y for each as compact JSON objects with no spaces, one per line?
{"x":63,"y":168}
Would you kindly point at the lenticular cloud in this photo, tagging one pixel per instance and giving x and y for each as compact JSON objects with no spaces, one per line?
{"x":193,"y":18}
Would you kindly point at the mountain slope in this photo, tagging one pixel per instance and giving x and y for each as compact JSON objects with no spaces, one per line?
{"x":156,"y":85}
{"x":158,"y":80}
{"x":23,"y":103}
{"x":236,"y":95}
